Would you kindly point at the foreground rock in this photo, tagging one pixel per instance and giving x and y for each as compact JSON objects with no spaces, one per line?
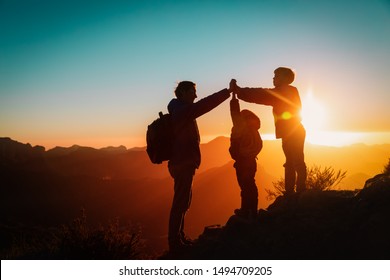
{"x":312,"y":225}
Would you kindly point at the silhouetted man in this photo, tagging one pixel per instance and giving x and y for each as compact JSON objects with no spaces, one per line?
{"x":186,"y":153}
{"x":286,"y":104}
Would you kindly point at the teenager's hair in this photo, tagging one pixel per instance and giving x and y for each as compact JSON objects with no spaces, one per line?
{"x":183,"y":87}
{"x":287,"y":74}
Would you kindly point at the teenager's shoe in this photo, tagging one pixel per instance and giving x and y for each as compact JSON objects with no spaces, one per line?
{"x":289,"y":193}
{"x":301,"y":190}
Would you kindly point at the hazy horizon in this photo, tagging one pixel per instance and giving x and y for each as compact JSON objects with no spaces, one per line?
{"x":332,"y":139}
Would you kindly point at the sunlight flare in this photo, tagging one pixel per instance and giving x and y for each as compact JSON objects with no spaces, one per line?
{"x":313,"y":113}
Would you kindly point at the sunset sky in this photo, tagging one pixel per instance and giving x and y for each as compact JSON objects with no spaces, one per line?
{"x":95,"y":73}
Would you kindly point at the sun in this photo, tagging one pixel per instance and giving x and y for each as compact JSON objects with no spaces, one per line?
{"x":315,"y":119}
{"x":313,"y":113}
{"x":313,"y":116}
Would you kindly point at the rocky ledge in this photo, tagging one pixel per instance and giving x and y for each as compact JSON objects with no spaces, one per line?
{"x":313,"y":225}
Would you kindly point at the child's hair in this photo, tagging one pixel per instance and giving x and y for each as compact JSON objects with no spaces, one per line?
{"x":251,"y":119}
{"x":287,"y":74}
{"x":183,"y":87}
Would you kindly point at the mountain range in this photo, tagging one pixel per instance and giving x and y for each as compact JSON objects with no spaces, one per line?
{"x":48,"y":188}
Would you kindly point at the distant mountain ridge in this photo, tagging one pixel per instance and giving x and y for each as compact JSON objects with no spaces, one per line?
{"x":360,"y":161}
{"x":13,"y":151}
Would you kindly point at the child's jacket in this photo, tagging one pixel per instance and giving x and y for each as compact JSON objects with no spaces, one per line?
{"x":245,"y":140}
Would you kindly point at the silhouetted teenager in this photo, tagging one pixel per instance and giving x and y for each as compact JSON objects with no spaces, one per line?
{"x":186,"y":153}
{"x":286,"y":104}
{"x":245,"y":145}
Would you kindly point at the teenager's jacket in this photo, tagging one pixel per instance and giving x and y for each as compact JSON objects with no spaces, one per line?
{"x":286,"y":105}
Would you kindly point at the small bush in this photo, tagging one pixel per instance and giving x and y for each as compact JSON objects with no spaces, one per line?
{"x":80,"y":241}
{"x":76,"y":241}
{"x":386,"y":169}
{"x":317,"y":179}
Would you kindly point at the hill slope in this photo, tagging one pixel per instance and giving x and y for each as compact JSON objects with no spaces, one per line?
{"x":313,"y":225}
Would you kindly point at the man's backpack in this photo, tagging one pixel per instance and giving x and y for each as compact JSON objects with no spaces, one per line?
{"x":159,"y":139}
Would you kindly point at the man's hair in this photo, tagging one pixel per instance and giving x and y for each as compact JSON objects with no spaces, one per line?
{"x":287,"y":74}
{"x":183,"y":87}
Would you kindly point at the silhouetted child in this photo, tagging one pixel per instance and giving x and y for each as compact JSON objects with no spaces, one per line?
{"x":245,"y":145}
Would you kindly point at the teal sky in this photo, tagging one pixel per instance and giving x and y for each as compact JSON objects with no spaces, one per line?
{"x":97,"y":72}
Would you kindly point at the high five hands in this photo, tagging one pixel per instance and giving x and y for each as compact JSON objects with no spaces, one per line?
{"x":233,"y":87}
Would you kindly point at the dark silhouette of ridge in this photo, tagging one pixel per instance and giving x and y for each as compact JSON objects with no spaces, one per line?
{"x":335,"y":225}
{"x":15,"y":152}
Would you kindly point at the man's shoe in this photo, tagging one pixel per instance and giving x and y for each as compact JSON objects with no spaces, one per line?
{"x":186,"y":240}
{"x":241,"y":212}
{"x":178,"y":247}
{"x":245,"y":213}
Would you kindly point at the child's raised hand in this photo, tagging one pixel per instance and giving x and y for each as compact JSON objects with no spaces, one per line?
{"x":233,"y":85}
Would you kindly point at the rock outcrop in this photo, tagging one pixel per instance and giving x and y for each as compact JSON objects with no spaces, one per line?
{"x":311,"y":225}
